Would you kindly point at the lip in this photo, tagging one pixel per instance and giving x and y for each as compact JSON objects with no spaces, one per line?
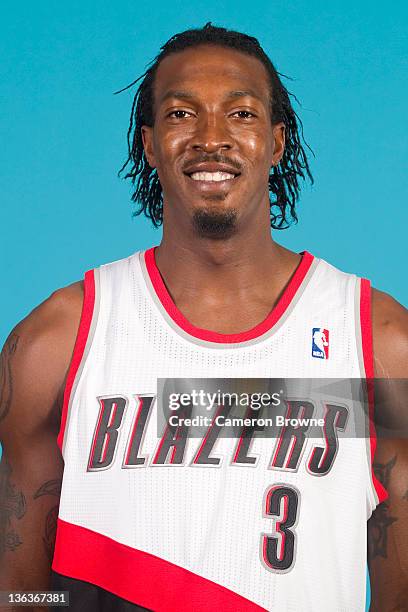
{"x":211,"y":167}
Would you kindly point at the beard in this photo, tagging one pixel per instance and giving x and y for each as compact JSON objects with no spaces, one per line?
{"x":215,"y":224}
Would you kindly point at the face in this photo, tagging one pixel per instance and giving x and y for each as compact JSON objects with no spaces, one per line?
{"x":212,"y":141}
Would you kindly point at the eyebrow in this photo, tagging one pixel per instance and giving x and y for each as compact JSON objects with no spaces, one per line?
{"x":189,"y":95}
{"x":243,"y":93}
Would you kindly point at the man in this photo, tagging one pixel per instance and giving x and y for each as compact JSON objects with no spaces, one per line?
{"x":157,"y":522}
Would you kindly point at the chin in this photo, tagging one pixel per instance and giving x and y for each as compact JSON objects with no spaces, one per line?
{"x":215,"y":222}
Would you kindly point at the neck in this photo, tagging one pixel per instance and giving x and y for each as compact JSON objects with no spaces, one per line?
{"x":249,"y":267}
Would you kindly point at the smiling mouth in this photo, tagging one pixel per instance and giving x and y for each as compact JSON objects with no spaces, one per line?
{"x":212,"y":177}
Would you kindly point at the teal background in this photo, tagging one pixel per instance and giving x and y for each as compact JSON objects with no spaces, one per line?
{"x":63,"y":132}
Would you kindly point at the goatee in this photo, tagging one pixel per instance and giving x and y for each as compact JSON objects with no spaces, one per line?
{"x":215,"y":224}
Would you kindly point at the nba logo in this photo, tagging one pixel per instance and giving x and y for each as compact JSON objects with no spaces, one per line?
{"x":320,"y":343}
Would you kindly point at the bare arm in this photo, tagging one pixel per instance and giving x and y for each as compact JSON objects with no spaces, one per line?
{"x":34,"y":363}
{"x":388,"y":526}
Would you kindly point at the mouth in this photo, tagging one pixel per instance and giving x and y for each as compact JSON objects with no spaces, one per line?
{"x":211,"y":177}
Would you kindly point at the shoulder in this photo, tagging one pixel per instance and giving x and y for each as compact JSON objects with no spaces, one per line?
{"x":37,"y":354}
{"x":53,"y":322}
{"x":390,"y":336}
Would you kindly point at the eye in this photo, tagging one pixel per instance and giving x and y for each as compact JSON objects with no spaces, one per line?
{"x":243,"y":114}
{"x":179,"y":114}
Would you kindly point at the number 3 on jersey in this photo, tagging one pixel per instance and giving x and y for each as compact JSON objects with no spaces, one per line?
{"x":278,"y":548}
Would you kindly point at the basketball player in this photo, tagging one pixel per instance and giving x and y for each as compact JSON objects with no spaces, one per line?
{"x":165,"y":524}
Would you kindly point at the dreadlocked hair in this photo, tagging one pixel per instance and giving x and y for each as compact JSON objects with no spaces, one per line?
{"x":283,"y":179}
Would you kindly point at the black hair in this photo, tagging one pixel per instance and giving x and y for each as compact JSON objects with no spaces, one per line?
{"x":283,"y":178}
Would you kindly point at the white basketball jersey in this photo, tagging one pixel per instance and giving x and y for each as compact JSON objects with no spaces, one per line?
{"x":149,"y":521}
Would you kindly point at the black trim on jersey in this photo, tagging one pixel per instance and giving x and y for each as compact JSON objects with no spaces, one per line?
{"x":87,"y":597}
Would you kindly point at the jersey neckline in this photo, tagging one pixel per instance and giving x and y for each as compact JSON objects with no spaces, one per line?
{"x":258,"y":330}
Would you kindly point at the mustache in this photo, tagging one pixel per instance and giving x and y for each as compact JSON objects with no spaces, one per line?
{"x":215,"y":157}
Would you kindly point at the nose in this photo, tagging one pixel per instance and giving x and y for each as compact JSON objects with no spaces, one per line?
{"x":211,"y":135}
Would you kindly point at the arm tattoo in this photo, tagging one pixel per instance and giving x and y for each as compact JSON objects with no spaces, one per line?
{"x":381,"y":519}
{"x":50,"y":532}
{"x":12,"y":503}
{"x":51,"y":487}
{"x":6,"y":377}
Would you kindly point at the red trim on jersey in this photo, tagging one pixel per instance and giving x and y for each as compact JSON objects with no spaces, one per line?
{"x":212,"y":336}
{"x":367,"y":346}
{"x":139,"y":577}
{"x":80,"y":342}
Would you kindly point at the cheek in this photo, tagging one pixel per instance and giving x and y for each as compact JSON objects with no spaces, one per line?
{"x":259,"y":151}
{"x":169,"y":146}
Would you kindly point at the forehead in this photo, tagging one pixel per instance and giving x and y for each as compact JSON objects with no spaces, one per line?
{"x":208,"y":66}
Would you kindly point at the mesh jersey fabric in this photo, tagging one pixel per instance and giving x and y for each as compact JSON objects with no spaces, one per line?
{"x":164,"y":536}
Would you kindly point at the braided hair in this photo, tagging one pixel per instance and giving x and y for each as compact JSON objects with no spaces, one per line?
{"x":283,"y":179}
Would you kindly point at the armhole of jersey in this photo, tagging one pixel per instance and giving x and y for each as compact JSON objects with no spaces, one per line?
{"x":368,"y":362}
{"x":82,"y":339}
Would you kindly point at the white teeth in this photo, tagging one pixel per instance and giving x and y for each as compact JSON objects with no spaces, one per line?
{"x":211,"y":176}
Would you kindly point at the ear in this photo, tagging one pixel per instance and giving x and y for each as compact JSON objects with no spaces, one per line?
{"x":147,"y":138}
{"x":279,"y":143}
